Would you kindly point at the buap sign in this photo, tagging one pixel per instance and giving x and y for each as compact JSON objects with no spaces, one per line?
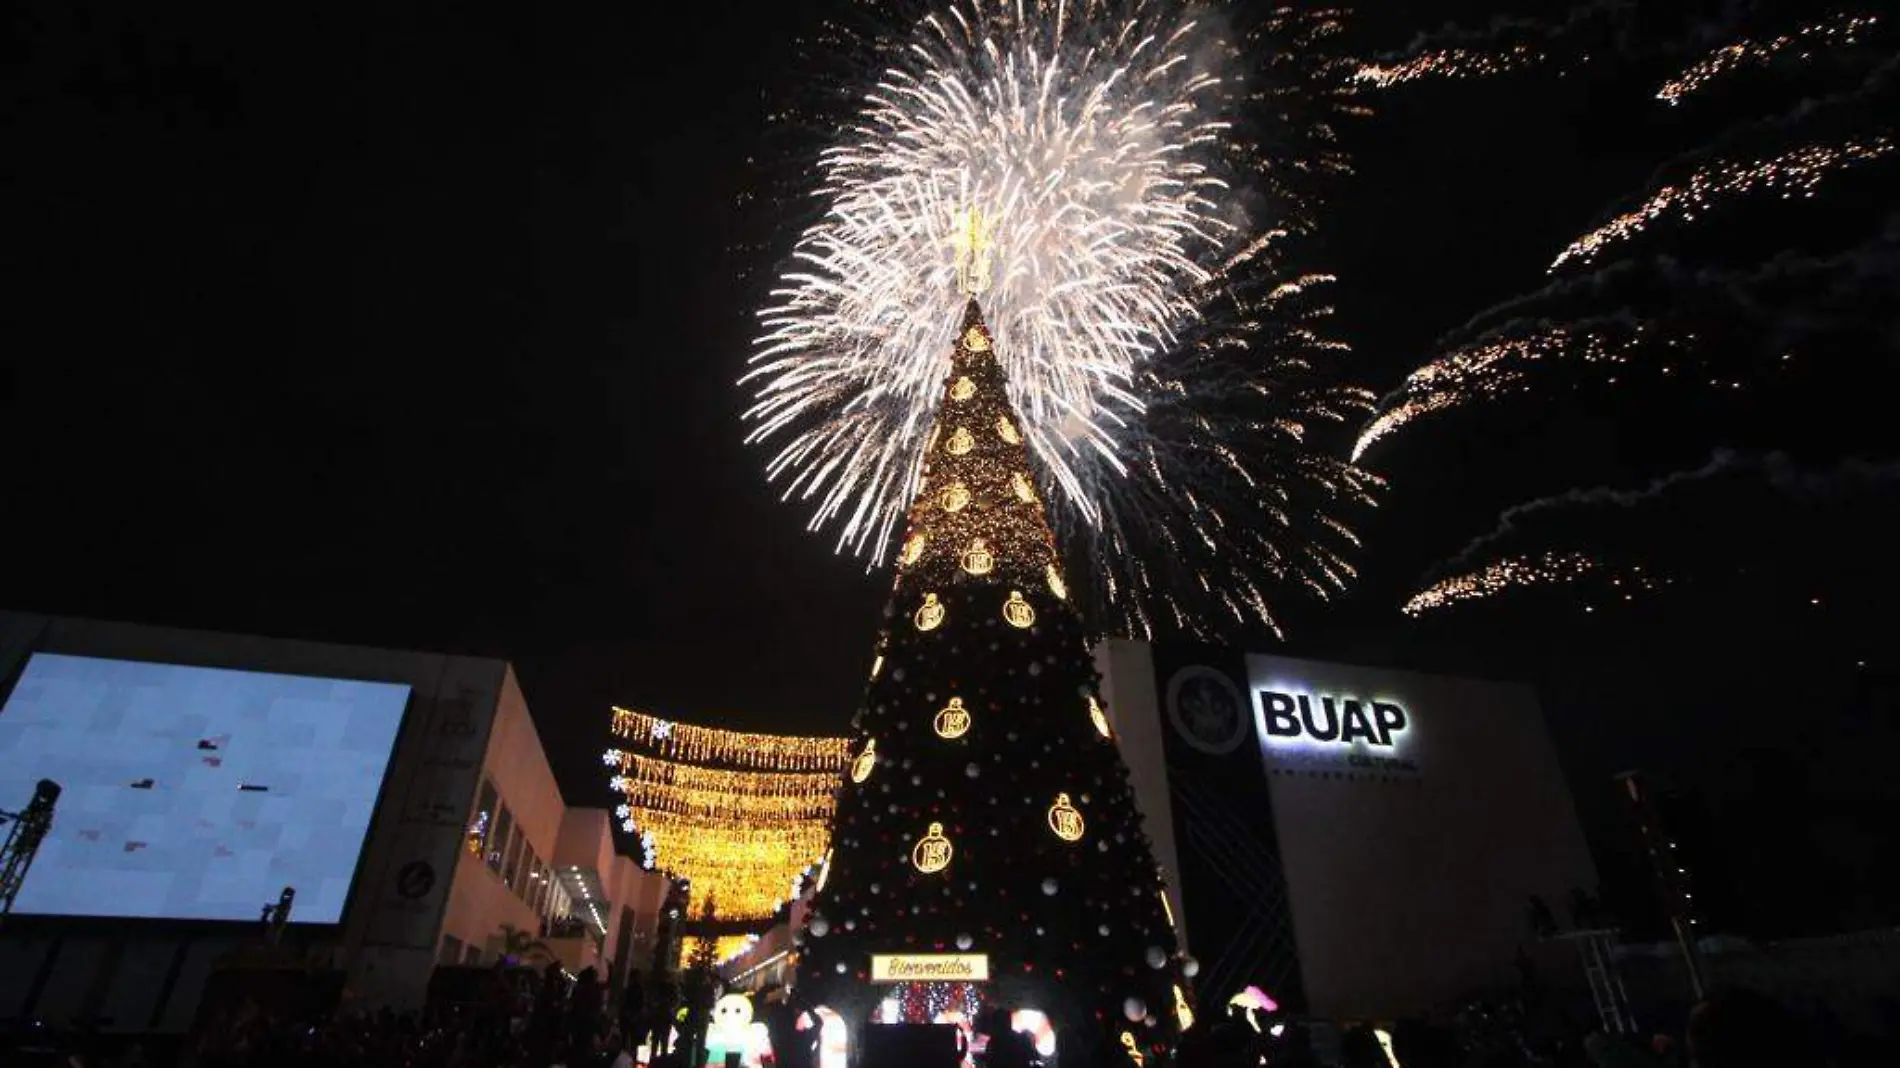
{"x":1291,"y":717}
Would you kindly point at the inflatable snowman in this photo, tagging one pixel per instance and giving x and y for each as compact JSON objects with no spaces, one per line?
{"x":732,"y":1031}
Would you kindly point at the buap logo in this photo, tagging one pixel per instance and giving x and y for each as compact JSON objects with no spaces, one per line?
{"x":1205,"y":708}
{"x":1336,"y":720}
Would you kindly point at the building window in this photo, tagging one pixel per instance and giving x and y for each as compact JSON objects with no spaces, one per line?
{"x":451,"y":950}
{"x":531,"y":886}
{"x":480,"y":824}
{"x":511,"y":874}
{"x":498,"y":841}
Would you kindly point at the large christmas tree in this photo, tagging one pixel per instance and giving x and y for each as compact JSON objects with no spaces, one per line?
{"x":988,"y":810}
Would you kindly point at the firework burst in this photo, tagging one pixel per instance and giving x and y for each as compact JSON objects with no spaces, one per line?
{"x":1165,"y":353}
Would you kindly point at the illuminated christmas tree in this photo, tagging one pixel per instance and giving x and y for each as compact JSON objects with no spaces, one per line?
{"x":987,"y":813}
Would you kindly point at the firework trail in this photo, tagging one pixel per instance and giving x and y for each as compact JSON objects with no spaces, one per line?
{"x":1553,"y":568}
{"x":1671,"y":515}
{"x":1507,"y":362}
{"x":1165,"y":352}
{"x":1795,"y":173}
{"x":1754,"y":322}
{"x":1835,"y":31}
{"x":1447,"y":64}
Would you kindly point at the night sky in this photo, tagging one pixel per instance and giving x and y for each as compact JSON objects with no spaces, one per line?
{"x":419,"y":329}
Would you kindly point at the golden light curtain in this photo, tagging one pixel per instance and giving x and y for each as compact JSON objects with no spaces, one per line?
{"x":698,"y":745}
{"x":740,"y":836}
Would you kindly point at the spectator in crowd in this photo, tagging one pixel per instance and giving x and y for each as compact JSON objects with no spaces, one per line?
{"x":1004,"y":1046}
{"x":661,"y":1006}
{"x":584,"y":1011}
{"x":633,"y":1005}
{"x":1743,"y":1029}
{"x":791,"y":1047}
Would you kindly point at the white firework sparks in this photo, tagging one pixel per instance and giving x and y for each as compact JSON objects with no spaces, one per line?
{"x":1098,"y":137}
{"x":1549,"y":568}
{"x":1834,"y":31}
{"x":1494,"y":367}
{"x":1795,"y":173}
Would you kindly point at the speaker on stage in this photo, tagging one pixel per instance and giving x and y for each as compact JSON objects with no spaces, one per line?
{"x":912,"y":1046}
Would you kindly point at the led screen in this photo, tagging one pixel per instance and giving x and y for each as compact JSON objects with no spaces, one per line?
{"x":194,"y":793}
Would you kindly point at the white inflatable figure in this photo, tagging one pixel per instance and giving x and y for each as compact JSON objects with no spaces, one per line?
{"x":731,"y":1030}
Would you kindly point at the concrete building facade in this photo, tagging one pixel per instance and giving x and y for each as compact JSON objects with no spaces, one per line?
{"x":1360,"y":843}
{"x":470,"y":840}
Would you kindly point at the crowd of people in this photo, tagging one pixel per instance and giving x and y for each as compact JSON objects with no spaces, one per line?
{"x":523,"y":1019}
{"x":1733,"y":1029}
{"x":544,"y":1020}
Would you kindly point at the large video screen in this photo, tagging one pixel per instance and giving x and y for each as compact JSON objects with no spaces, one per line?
{"x":194,"y":793}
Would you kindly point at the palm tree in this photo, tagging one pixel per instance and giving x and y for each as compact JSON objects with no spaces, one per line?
{"x":524,"y":946}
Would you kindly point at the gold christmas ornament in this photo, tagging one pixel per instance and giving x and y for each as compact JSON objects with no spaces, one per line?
{"x":1065,"y":820}
{"x":861,"y":767}
{"x":824,"y":871}
{"x":955,"y":497}
{"x":1024,"y":491}
{"x":963,"y":390}
{"x":1007,"y":430}
{"x":932,"y":852}
{"x":930,"y":614}
{"x":877,"y":665}
{"x":1056,"y":585}
{"x":1182,"y":1014}
{"x":961,"y":441}
{"x":913,"y":550}
{"x":974,"y":340}
{"x":1134,"y":1051}
{"x":1016,"y":611}
{"x":977,"y":559}
{"x":1167,"y":910}
{"x":953,"y":720}
{"x":1098,"y":717}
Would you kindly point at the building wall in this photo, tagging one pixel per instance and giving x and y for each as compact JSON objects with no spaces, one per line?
{"x":387,"y":936}
{"x":419,"y":894}
{"x":1406,"y":866}
{"x":1129,"y":691}
{"x":1410,"y":890}
{"x":485,"y":897}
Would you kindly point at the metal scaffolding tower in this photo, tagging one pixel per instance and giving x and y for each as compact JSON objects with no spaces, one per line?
{"x":25,"y":830}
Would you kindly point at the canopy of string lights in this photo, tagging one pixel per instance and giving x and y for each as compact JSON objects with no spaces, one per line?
{"x":740,"y":816}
